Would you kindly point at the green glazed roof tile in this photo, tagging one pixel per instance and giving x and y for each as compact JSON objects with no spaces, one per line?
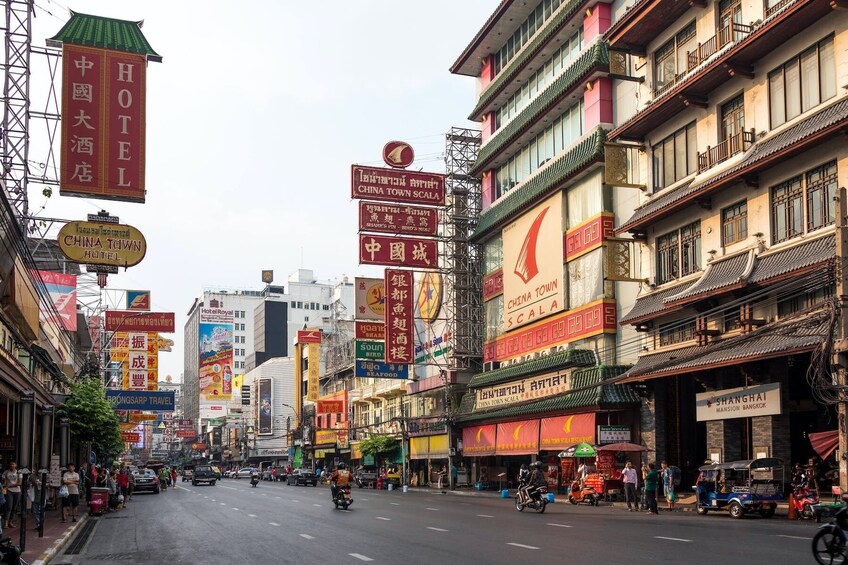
{"x":105,"y":33}
{"x":507,"y":75}
{"x":594,"y":57}
{"x":565,"y":359}
{"x":586,"y":152}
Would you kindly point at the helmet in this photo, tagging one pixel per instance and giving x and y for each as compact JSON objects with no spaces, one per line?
{"x":342,"y":466}
{"x":537,"y":464}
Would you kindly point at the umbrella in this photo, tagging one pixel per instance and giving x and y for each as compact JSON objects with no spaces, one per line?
{"x":623,"y":447}
{"x":825,"y":443}
{"x":584,"y":450}
{"x":567,"y":452}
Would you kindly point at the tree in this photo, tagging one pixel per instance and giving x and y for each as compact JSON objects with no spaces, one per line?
{"x":378,"y":445}
{"x":93,"y":418}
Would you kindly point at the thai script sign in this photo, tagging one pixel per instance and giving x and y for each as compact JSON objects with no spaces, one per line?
{"x":162,"y":400}
{"x":398,"y":251}
{"x":399,"y":315}
{"x":614,"y":434}
{"x":331,"y":406}
{"x":391,"y":218}
{"x":139,"y":322}
{"x":95,"y":243}
{"x":216,"y":353}
{"x":309,"y":336}
{"x":519,"y":391}
{"x":388,"y":185}
{"x":370,"y":350}
{"x":380,"y":370}
{"x":370,"y":330}
{"x":743,"y":402}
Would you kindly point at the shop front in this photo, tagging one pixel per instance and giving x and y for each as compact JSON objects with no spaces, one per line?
{"x":428,"y":459}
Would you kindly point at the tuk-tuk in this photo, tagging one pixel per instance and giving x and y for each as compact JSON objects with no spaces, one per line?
{"x":741,"y":487}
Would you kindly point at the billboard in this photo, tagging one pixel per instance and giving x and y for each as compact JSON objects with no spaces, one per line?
{"x":533,"y":285}
{"x":398,"y":219}
{"x":122,"y":320}
{"x":265,"y":406}
{"x":97,"y":243}
{"x":388,"y":185}
{"x":313,"y":371}
{"x":400,"y":251}
{"x":370,"y":299}
{"x":103,"y":130}
{"x":379,"y":370}
{"x":216,"y":354}
{"x":62,"y":289}
{"x":160,"y":400}
{"x":309,"y":336}
{"x":138,"y":300}
{"x":743,"y":402}
{"x":399,"y":316}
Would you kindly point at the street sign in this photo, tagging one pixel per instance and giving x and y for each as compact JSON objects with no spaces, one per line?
{"x":161,"y":401}
{"x":370,"y":350}
{"x":380,"y":370}
{"x":389,"y":185}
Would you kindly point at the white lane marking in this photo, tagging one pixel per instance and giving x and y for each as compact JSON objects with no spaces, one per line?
{"x":276,"y":497}
{"x":364,"y":499}
{"x":394,"y":503}
{"x":360,"y":557}
{"x":791,"y":537}
{"x":307,"y":536}
{"x":672,"y":539}
{"x":252,"y":515}
{"x":436,"y":529}
{"x":436,"y":509}
{"x":485,"y":515}
{"x":295,"y":501}
{"x":273,"y":523}
{"x":318,"y":505}
{"x":230,"y":488}
{"x":559,"y":525}
{"x":221,"y":503}
{"x":521,"y":545}
{"x":381,"y":518}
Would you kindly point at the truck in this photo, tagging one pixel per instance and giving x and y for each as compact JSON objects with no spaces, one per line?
{"x":203,"y":474}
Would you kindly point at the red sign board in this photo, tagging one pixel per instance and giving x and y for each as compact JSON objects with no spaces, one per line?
{"x":398,"y":219}
{"x":398,"y":251}
{"x":390,"y":185}
{"x":478,"y":441}
{"x":309,"y":336}
{"x":370,"y":330}
{"x":103,"y":125}
{"x":185,"y":422}
{"x":565,"y":431}
{"x":493,"y":285}
{"x":398,"y":154}
{"x":399,"y":316}
{"x":198,"y":446}
{"x":331,"y":407}
{"x":518,"y":438}
{"x":186,"y":434}
{"x":588,"y":236}
{"x":130,"y":437}
{"x":120,"y":320}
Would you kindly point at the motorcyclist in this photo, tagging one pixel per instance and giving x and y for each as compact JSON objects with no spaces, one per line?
{"x":536,"y":481}
{"x":254,"y":478}
{"x":523,"y":479}
{"x":339,"y":478}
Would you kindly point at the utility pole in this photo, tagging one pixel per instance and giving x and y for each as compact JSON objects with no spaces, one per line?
{"x":841,"y":351}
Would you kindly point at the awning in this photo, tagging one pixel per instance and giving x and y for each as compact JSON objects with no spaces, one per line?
{"x":825,"y":443}
{"x":479,"y":441}
{"x":439,"y":446}
{"x":518,"y":438}
{"x":419,"y":447}
{"x":428,"y":447}
{"x":564,"y":431}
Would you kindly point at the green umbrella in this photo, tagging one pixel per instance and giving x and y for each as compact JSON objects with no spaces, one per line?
{"x":584,"y":450}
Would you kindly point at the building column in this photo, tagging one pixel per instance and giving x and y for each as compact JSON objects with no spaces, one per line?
{"x":770,"y":435}
{"x":724,"y":437}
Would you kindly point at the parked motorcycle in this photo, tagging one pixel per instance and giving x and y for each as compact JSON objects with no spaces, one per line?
{"x":578,"y":494}
{"x":804,"y":501}
{"x":538,"y":501}
{"x":10,"y":554}
{"x":254,"y":480}
{"x":343,"y":497}
{"x":829,"y":543}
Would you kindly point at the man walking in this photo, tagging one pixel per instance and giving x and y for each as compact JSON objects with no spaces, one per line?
{"x":12,"y":483}
{"x":630,"y":479}
{"x":651,"y":478}
{"x":35,"y":486}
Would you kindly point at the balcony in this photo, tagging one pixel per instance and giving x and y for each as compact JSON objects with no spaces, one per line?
{"x":731,"y":146}
{"x":390,"y":388}
{"x":724,"y":36}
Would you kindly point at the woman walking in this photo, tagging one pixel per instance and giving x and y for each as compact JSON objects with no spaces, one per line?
{"x":12,"y":484}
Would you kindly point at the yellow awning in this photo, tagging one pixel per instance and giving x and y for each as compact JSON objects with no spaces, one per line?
{"x":419,"y":447}
{"x":439,"y":446}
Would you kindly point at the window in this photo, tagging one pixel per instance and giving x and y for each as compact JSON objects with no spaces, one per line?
{"x":679,"y":253}
{"x":734,"y":223}
{"x":802,"y":83}
{"x":799,"y":302}
{"x":671,"y":59}
{"x":677,"y":332}
{"x":535,"y":21}
{"x":586,"y":279}
{"x":675,"y":157}
{"x":787,"y":203}
{"x":732,"y":118}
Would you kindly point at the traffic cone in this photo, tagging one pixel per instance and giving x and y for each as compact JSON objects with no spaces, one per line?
{"x":791,"y":514}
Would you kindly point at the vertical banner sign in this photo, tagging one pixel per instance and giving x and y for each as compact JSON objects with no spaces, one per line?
{"x":103,"y":123}
{"x":399,"y":316}
{"x":63,"y":292}
{"x":265,"y":407}
{"x":135,"y":366}
{"x":216,"y":354}
{"x":313,"y":371}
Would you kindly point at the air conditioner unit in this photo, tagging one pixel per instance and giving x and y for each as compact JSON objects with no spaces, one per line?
{"x":561,"y":348}
{"x":490,"y":366}
{"x":544,"y":353}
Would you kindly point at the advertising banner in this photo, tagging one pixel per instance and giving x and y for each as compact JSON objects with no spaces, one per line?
{"x":379,"y":370}
{"x":63,"y":293}
{"x":323,"y":437}
{"x":743,"y":402}
{"x":399,"y":251}
{"x":162,"y":322}
{"x":138,"y":300}
{"x":388,"y":185}
{"x":95,"y":243}
{"x":265,"y":407}
{"x":331,"y":407}
{"x":216,"y":354}
{"x":375,"y":350}
{"x":313,"y":371}
{"x":131,"y":437}
{"x":397,"y":219}
{"x":371,"y":330}
{"x":533,"y":265}
{"x":531,"y":388}
{"x":140,"y":417}
{"x":479,"y":441}
{"x":565,"y":431}
{"x":518,"y":438}
{"x":614,"y":434}
{"x":186,"y":434}
{"x":309,"y":336}
{"x":370,"y":299}
{"x":399,"y":316}
{"x":160,"y":401}
{"x":103,"y":130}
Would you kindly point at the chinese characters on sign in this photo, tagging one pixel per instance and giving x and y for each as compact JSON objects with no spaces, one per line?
{"x":398,"y":251}
{"x":394,"y":219}
{"x":313,"y":371}
{"x":331,"y":407}
{"x":399,"y":316}
{"x":379,"y":370}
{"x":370,"y":299}
{"x":103,"y":125}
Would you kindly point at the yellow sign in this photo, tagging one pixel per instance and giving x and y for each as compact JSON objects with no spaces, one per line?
{"x":143,"y":418}
{"x":313,"y":372}
{"x":96,"y":243}
{"x":127,"y":427}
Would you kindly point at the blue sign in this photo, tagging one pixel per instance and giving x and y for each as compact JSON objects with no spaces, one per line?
{"x":379,"y":370}
{"x":162,"y":401}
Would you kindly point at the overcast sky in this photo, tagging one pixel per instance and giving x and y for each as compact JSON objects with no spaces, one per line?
{"x":253,"y":120}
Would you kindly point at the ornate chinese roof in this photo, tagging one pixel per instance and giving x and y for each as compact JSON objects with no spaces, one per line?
{"x":562,"y":360}
{"x":722,"y":274}
{"x":779,"y":263}
{"x":652,"y":303}
{"x":105,"y":33}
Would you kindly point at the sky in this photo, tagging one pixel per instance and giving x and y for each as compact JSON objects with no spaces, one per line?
{"x":253,"y":120}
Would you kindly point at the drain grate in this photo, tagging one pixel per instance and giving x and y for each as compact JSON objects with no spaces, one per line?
{"x":114,"y":517}
{"x":81,"y":538}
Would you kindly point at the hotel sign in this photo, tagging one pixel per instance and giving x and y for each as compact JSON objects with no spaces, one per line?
{"x":532,"y":388}
{"x":743,"y":402}
{"x":398,"y":219}
{"x":95,"y":243}
{"x":390,"y":185}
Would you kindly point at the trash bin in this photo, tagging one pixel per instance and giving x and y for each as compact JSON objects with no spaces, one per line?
{"x":99,"y":500}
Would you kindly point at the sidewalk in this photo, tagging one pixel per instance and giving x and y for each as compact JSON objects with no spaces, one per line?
{"x":56,"y":535}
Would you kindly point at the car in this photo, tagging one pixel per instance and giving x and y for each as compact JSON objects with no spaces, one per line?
{"x":146,"y":480}
{"x":188,"y":471}
{"x":229,"y":473}
{"x":203,"y":474}
{"x":245,"y":472}
{"x":302,"y":477}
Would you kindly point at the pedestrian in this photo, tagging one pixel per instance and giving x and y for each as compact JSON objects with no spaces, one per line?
{"x":71,"y":480}
{"x":173,"y":477}
{"x":34,"y":495}
{"x":454,"y":475}
{"x":130,"y":485}
{"x":442,"y":474}
{"x":12,"y":484}
{"x":124,"y":486}
{"x":668,"y":484}
{"x":630,"y":480}
{"x":650,"y":478}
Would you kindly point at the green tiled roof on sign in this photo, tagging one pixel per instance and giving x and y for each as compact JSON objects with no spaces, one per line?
{"x":586,"y":152}
{"x":562,"y":360}
{"x":105,"y":33}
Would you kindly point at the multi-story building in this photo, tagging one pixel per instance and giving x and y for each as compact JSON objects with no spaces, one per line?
{"x":730,"y":118}
{"x":545,"y":104}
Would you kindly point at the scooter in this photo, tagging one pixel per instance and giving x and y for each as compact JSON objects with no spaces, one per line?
{"x":829,"y":543}
{"x":537,"y":501}
{"x":254,"y":480}
{"x":343,"y":497}
{"x":10,"y":554}
{"x":804,"y":501}
{"x":584,"y":494}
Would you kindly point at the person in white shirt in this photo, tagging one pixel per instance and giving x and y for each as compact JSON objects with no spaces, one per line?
{"x":630,"y":479}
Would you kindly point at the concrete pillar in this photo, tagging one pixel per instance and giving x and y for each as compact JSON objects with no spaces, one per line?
{"x":488,"y":189}
{"x":597,"y":22}
{"x":725,"y":438}
{"x":597,"y":103}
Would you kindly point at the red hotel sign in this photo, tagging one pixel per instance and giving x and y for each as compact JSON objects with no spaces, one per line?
{"x":588,"y":236}
{"x":370,"y":330}
{"x":398,"y":251}
{"x":398,"y":186}
{"x":103,"y":123}
{"x":119,"y":320}
{"x":593,"y":319}
{"x":391,"y":218}
{"x":493,"y":285}
{"x":399,"y":316}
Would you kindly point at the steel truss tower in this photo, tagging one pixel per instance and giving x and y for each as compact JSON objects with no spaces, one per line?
{"x":16,"y":102}
{"x":463,"y":284}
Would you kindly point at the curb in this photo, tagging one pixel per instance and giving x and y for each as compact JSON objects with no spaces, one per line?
{"x":59,"y":544}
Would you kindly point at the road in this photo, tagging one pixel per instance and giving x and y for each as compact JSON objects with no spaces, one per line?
{"x":275,"y":523}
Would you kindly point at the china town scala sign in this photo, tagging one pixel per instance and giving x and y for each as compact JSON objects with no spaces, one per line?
{"x":95,"y":243}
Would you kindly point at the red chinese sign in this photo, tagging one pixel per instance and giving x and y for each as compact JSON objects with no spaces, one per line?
{"x":478,"y":441}
{"x":139,"y":321}
{"x":588,"y":236}
{"x":493,"y":285}
{"x":331,"y":407}
{"x":399,"y":316}
{"x":186,"y":434}
{"x":103,"y":123}
{"x":565,"y":431}
{"x":198,"y":446}
{"x":399,"y":219}
{"x":131,"y":437}
{"x":391,"y":185}
{"x":398,"y":251}
{"x":518,"y":438}
{"x":370,"y":330}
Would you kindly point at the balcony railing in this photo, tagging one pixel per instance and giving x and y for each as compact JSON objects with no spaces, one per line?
{"x":725,"y":150}
{"x":772,"y":9}
{"x":727,"y":34}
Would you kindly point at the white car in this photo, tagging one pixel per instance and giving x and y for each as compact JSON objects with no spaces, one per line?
{"x":245,"y":472}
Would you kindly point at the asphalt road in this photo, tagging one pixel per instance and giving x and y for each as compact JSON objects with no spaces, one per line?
{"x":275,"y":523}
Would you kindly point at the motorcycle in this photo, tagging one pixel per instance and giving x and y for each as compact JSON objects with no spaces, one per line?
{"x":537,"y":501}
{"x":254,"y":480}
{"x":343,"y":497}
{"x":10,"y":554}
{"x":829,"y":543}
{"x":804,"y":501}
{"x":578,"y":494}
